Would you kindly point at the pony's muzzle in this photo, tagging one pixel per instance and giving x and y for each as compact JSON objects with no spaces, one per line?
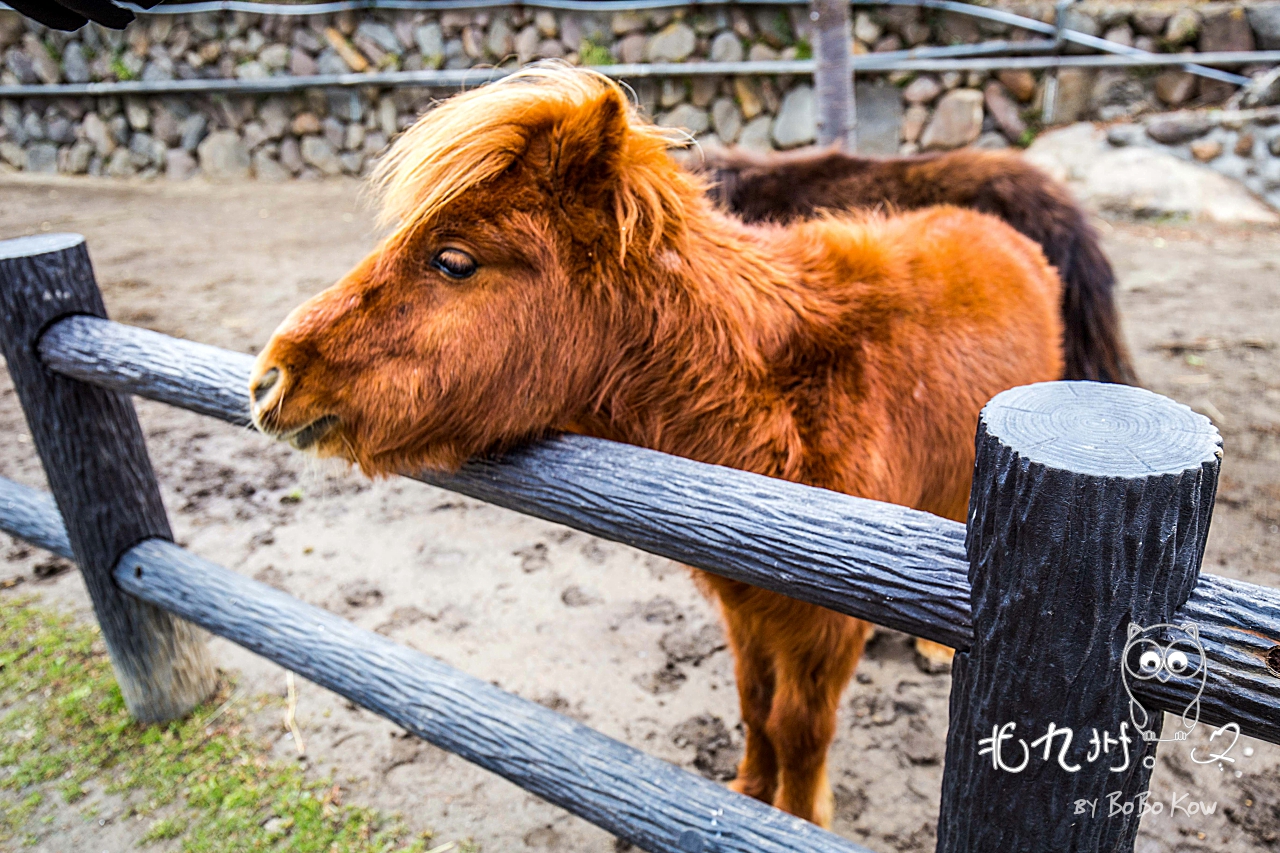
{"x":264,"y":384}
{"x":267,"y":389}
{"x":266,"y":392}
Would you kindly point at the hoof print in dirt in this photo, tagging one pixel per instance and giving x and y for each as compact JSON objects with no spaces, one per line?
{"x":716,"y":755}
{"x":403,"y":617}
{"x":850,"y":802}
{"x":692,"y":647}
{"x":260,"y":540}
{"x":51,"y":568}
{"x":361,"y":594}
{"x":405,"y":749}
{"x":661,"y":610}
{"x":596,"y":552}
{"x":544,"y":838}
{"x":920,"y":744}
{"x":666,"y":680}
{"x":873,"y":709}
{"x":576,"y":596}
{"x":534,"y":558}
{"x":271,"y":576}
{"x":561,"y":705}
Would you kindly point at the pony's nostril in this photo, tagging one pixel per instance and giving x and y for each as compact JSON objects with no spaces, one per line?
{"x":265,"y":383}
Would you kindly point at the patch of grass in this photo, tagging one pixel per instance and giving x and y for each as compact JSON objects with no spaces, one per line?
{"x":804,"y":50}
{"x":63,"y":727}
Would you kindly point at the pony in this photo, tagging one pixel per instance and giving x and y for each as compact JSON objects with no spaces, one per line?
{"x":786,"y":187}
{"x":548,"y":267}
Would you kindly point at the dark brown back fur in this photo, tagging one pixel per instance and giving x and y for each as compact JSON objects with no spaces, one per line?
{"x":786,"y":187}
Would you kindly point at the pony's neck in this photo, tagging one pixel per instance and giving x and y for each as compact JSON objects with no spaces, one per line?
{"x":699,"y":375}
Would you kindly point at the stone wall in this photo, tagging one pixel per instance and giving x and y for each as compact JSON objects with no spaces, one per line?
{"x":1243,"y":145}
{"x":328,"y":132}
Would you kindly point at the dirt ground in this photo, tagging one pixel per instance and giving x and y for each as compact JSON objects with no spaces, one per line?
{"x":612,"y":636}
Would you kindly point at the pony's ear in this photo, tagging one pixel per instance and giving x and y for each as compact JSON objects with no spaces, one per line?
{"x":1134,"y":630}
{"x":581,"y":150}
{"x":1193,"y":629}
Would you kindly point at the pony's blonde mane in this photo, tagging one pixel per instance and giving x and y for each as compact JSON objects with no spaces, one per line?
{"x":475,"y":136}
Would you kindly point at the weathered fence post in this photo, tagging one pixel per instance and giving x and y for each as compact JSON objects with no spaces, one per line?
{"x":1089,"y":512}
{"x":833,"y":75}
{"x":96,"y":462}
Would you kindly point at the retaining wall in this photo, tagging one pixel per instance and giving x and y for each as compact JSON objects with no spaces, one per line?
{"x":318,"y":132}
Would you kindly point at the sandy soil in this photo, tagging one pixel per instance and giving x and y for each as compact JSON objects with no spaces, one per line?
{"x":615,"y":637}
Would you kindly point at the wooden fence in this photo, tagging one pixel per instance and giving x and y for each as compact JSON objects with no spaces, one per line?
{"x":1089,"y":512}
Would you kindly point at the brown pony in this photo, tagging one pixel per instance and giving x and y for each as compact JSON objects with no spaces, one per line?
{"x":783,"y":188}
{"x":552,"y":268}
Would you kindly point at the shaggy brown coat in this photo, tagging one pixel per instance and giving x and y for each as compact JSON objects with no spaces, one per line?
{"x":783,"y":188}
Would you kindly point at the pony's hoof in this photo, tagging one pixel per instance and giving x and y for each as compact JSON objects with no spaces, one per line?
{"x":752,"y":788}
{"x":933,"y":658}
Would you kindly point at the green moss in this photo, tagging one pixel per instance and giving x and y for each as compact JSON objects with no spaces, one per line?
{"x":63,"y":726}
{"x":120,"y":69}
{"x":593,"y":54}
{"x":804,"y":50}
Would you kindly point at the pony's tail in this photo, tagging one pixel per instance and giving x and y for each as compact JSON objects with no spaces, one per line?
{"x":1093,"y":347}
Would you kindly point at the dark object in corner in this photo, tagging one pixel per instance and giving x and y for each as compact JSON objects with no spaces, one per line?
{"x":74,"y":14}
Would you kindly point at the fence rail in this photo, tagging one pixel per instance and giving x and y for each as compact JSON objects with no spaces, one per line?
{"x":963,"y":58}
{"x":1132,"y":538}
{"x":641,"y":799}
{"x":936,"y":59}
{"x":891,"y":565}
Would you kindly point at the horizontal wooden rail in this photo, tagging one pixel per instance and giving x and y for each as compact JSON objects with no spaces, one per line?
{"x":648,"y":802}
{"x":892,"y":565}
{"x":888,"y":564}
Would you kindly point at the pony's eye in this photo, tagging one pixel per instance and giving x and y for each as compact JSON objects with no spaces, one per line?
{"x":454,"y":263}
{"x":1176,"y":662}
{"x":1149,"y":662}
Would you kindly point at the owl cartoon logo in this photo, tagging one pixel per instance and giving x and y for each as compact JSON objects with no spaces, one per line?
{"x":1146,"y":657}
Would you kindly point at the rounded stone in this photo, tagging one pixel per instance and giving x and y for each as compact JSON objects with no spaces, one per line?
{"x":797,"y":122}
{"x":726,"y":47}
{"x":223,"y":156}
{"x":673,"y":44}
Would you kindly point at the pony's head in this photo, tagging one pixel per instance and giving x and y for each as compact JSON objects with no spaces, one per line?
{"x":520,"y":213}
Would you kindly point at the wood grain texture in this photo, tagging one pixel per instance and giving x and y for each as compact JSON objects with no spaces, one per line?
{"x":881,"y":562}
{"x":96,"y":462}
{"x":189,"y":375}
{"x":33,"y":517}
{"x":650,"y":803}
{"x":1089,"y":512}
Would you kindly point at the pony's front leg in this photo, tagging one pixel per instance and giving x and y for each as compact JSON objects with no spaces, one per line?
{"x":815,"y":664}
{"x":753,"y":666}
